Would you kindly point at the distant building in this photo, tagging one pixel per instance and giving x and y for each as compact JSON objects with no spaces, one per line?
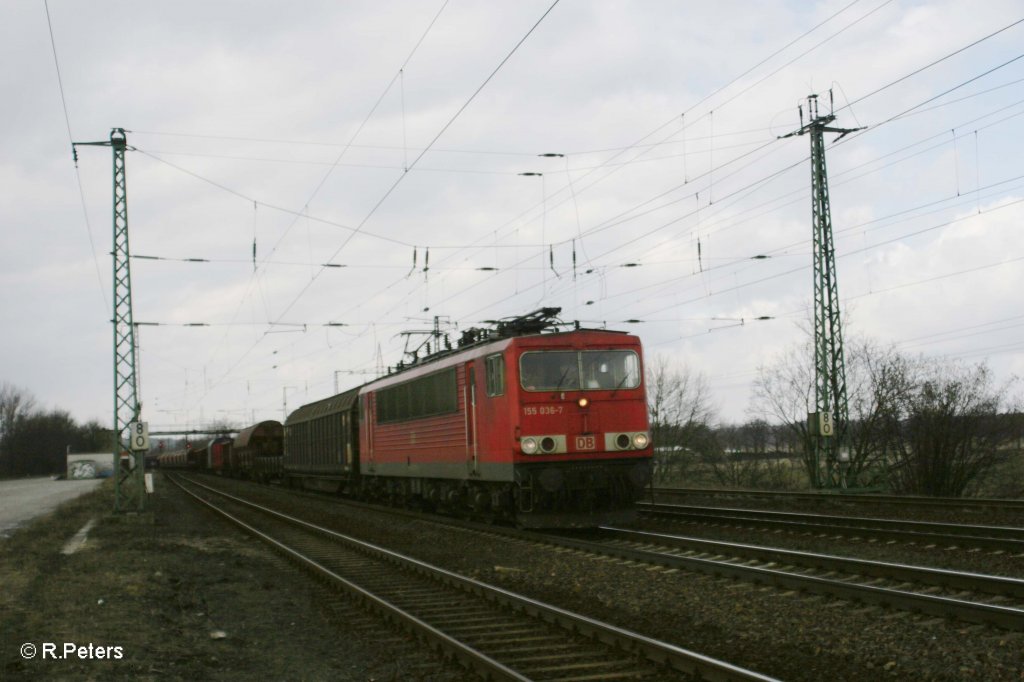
{"x":90,"y":465}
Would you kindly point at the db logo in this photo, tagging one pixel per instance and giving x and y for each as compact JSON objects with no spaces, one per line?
{"x":586,"y":443}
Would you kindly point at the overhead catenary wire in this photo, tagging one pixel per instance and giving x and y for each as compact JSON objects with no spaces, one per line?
{"x":255,"y":277}
{"x":957,"y":333}
{"x":931,"y":64}
{"x":919,"y":70}
{"x":763,"y":61}
{"x":862,"y":250}
{"x":839,"y":179}
{"x":754,"y":185}
{"x":78,"y":176}
{"x":903,"y":113}
{"x":736,"y":79}
{"x":737,"y":287}
{"x":415,"y":161}
{"x":839,"y":255}
{"x":297,"y":213}
{"x":366,"y":119}
{"x":582,"y":244}
{"x":515,"y":154}
{"x":466,"y":171}
{"x":550,"y":246}
{"x":350,"y":144}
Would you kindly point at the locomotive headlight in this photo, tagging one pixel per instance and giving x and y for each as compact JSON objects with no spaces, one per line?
{"x":640,"y":440}
{"x":529,"y":446}
{"x":584,"y":402}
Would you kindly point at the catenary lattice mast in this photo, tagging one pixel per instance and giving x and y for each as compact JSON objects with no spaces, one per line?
{"x":130,"y":490}
{"x":828,"y":421}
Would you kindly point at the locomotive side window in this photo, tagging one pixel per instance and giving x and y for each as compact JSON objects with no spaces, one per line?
{"x":553,"y":370}
{"x":424,"y":397}
{"x":610,"y":369}
{"x":496,"y":375}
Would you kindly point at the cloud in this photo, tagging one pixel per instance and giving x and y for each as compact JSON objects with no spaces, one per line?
{"x":254,"y":102}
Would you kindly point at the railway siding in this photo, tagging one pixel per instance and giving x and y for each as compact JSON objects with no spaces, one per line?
{"x":851,"y":586}
{"x":992,"y":511}
{"x":999,"y":538}
{"x":960,"y":580}
{"x":789,"y":634}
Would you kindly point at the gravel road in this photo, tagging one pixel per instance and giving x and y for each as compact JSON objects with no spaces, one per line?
{"x":23,"y":499}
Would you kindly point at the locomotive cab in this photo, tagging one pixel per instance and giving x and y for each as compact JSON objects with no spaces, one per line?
{"x":582,"y":444}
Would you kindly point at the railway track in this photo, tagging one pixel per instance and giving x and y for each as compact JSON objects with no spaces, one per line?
{"x":992,"y":600}
{"x":847,"y":499}
{"x":491,"y":631}
{"x":995,"y":538}
{"x":970,"y":597}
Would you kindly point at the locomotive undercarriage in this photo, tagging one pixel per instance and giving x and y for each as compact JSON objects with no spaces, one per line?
{"x":569,"y":495}
{"x":483,"y":500}
{"x":547,"y":495}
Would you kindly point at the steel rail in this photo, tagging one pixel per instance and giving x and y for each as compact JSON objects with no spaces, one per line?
{"x":474,"y":659}
{"x":850,"y":498}
{"x":656,"y":651}
{"x":1004,"y":538}
{"x":958,"y":580}
{"x":1004,"y":617}
{"x":974,"y":612}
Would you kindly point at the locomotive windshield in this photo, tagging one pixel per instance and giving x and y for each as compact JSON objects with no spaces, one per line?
{"x":595,"y":370}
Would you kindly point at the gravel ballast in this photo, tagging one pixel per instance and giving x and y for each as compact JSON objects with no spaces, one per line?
{"x":788,"y":635}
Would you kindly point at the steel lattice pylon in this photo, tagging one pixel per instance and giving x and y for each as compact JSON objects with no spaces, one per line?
{"x":130,"y":485}
{"x":129,"y":465}
{"x":828,"y":422}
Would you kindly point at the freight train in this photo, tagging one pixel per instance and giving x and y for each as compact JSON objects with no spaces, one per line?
{"x":523,"y":422}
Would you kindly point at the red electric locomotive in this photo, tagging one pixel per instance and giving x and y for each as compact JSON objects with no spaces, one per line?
{"x":523,"y":422}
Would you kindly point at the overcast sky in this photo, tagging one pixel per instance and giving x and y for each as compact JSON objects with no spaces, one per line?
{"x":371,"y":134}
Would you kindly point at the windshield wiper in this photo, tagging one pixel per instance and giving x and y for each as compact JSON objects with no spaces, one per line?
{"x":619,"y":385}
{"x":562,"y":378}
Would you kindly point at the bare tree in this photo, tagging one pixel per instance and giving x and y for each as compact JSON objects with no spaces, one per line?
{"x":35,"y":441}
{"x":920,"y":425}
{"x":15,"y":404}
{"x":782,"y":393}
{"x":223,"y":426}
{"x":878,"y":377}
{"x":948,"y":431}
{"x":681,"y":412}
